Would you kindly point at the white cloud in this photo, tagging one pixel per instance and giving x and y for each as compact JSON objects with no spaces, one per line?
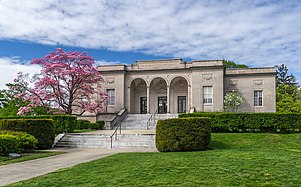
{"x":104,"y":62}
{"x":258,"y":33}
{"x":9,"y":67}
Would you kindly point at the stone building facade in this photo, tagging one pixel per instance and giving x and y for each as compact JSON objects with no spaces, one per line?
{"x":176,"y":86}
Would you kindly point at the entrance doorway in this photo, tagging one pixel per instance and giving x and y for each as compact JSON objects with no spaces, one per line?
{"x":162,"y":105}
{"x":181,"y":104}
{"x":143,"y":105}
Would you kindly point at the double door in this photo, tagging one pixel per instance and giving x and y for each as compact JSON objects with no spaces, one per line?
{"x":162,"y":105}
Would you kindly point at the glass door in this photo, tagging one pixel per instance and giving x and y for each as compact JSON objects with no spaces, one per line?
{"x":143,"y":105}
{"x":181,"y":104}
{"x":162,"y":105}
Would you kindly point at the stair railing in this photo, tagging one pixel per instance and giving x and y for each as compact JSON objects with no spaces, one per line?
{"x":151,"y":120}
{"x":115,"y":133}
{"x":154,"y":116}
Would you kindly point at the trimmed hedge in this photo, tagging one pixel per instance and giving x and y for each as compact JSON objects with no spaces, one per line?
{"x":185,"y":134}
{"x":62,"y":123}
{"x":86,"y":124}
{"x":98,"y":125}
{"x":41,"y":129}
{"x":17,"y":142}
{"x":251,"y":122}
{"x":82,"y":124}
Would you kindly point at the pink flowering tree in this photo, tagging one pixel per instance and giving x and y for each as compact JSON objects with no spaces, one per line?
{"x":68,"y":82}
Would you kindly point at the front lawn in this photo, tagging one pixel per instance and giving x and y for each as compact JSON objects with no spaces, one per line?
{"x":234,"y":160}
{"x":27,"y":156}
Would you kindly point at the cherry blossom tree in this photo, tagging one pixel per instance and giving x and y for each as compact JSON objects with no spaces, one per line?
{"x":68,"y":82}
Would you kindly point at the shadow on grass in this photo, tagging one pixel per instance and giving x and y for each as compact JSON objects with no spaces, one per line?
{"x":218,"y":145}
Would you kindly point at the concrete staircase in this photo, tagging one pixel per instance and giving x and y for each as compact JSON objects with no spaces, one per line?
{"x":139,"y":121}
{"x":80,"y":140}
{"x":133,"y":134}
{"x":135,"y":122}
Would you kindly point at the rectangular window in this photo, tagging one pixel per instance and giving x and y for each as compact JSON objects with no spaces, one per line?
{"x":111,"y":95}
{"x":258,"y":98}
{"x":208,"y":94}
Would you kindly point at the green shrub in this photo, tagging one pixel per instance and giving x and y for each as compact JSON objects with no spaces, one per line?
{"x":62,"y":123}
{"x":98,"y":125}
{"x":82,"y":124}
{"x":9,"y":143}
{"x":41,"y":129}
{"x":27,"y":141}
{"x":251,"y":122}
{"x":185,"y":134}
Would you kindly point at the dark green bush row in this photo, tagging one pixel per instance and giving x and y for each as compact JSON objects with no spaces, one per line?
{"x":62,"y":123}
{"x":85,"y":124}
{"x":98,"y":125}
{"x":16,"y":142}
{"x":185,"y":134}
{"x":82,"y":124}
{"x":251,"y":122}
{"x":41,"y":129}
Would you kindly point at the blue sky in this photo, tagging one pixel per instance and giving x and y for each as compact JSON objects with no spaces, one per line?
{"x":256,"y":33}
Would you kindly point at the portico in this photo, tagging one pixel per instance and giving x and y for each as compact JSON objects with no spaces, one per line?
{"x":158,"y":95}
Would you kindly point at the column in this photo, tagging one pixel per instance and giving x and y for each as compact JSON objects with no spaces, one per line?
{"x":128,"y":101}
{"x":189,"y":99}
{"x":168,"y":99}
{"x":148,"y":99}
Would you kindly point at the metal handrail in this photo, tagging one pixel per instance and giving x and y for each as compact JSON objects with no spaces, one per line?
{"x":115,"y":133}
{"x":151,"y":119}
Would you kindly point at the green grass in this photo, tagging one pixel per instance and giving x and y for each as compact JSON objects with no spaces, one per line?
{"x":82,"y":130}
{"x":234,"y":160}
{"x":27,"y":156}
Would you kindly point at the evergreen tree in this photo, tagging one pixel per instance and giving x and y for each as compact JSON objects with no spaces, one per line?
{"x":283,"y":77}
{"x":287,"y":91}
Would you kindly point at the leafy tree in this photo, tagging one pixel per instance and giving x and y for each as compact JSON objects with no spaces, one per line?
{"x":233,"y":101}
{"x":10,"y":105}
{"x":231,"y":64}
{"x":288,"y":105}
{"x":68,"y":82}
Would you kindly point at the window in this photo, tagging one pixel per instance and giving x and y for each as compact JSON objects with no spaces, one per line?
{"x":111,"y":95}
{"x":208,"y":94}
{"x":258,"y":98}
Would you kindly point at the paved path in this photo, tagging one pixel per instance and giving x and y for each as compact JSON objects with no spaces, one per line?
{"x":12,"y":173}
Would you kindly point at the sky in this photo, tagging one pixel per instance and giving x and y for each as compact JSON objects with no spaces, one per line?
{"x":257,"y":33}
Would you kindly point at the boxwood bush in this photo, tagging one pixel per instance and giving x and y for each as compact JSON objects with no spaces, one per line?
{"x":83,"y":124}
{"x":251,"y":122}
{"x":98,"y":125}
{"x":8,"y":144}
{"x":185,"y":134}
{"x":62,"y":123}
{"x":41,"y":129}
{"x":11,"y":141}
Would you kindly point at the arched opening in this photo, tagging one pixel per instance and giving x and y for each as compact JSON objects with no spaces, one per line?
{"x":178,"y":95}
{"x":158,"y":96}
{"x":138,"y":97}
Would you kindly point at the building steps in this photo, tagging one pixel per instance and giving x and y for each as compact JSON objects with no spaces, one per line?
{"x":134,"y":134}
{"x":139,"y":121}
{"x":80,"y":140}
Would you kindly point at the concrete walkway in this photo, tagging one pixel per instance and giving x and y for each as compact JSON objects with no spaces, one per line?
{"x":12,"y":173}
